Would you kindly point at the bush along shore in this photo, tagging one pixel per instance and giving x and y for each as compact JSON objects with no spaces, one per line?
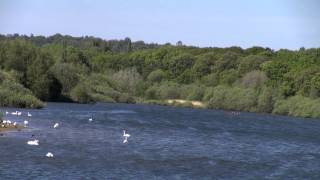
{"x":36,"y":69}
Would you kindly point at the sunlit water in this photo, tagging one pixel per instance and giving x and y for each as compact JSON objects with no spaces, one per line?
{"x":165,"y":143}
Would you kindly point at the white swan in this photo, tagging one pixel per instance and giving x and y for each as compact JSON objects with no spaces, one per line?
{"x":125,"y":140}
{"x":56,"y":125}
{"x":29,"y":115}
{"x":33,"y":142}
{"x":125,"y":134}
{"x":15,"y":123}
{"x":90,"y":119}
{"x":49,"y":155}
{"x":15,"y":113}
{"x":25,"y":123}
{"x":19,"y":113}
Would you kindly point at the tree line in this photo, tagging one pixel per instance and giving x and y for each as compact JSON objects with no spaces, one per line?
{"x":89,"y":69}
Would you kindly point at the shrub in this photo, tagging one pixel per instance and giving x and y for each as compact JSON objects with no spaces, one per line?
{"x":14,"y":94}
{"x":222,"y":97}
{"x":66,"y":74}
{"x":253,"y":79}
{"x":298,"y":106}
{"x":152,"y":93}
{"x":228,"y":77}
{"x":195,"y":92}
{"x":156,"y":76}
{"x":81,"y":94}
{"x":210,"y":80}
{"x":169,"y":91}
{"x":127,"y":80}
{"x":266,"y":100}
{"x":250,"y":63}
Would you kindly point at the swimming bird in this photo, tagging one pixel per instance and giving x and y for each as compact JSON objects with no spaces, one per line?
{"x":19,"y":113}
{"x":125,"y":134}
{"x":29,"y":115}
{"x":15,"y":113}
{"x":33,"y":142}
{"x":90,"y":119}
{"x":125,"y":140}
{"x":56,"y":125}
{"x":49,"y":155}
{"x":25,"y":123}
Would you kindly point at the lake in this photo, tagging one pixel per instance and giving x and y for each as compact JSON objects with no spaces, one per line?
{"x":165,"y":143}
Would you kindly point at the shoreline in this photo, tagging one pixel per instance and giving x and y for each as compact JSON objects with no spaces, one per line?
{"x":11,"y":128}
{"x":202,"y":105}
{"x":194,"y":104}
{"x":166,"y":102}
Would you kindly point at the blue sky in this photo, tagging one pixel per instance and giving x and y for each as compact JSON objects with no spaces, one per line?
{"x":270,"y":23}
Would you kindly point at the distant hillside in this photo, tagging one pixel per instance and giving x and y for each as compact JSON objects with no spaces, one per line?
{"x":89,"y":69}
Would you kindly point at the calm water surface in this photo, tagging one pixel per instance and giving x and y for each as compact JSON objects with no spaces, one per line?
{"x":165,"y":143}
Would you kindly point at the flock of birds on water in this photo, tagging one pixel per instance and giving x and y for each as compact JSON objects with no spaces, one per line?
{"x":34,"y":141}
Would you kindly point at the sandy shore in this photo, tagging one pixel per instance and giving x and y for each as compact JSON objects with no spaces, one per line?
{"x":10,"y":128}
{"x":197,"y":104}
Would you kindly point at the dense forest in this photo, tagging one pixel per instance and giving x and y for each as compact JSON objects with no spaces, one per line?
{"x":36,"y":69}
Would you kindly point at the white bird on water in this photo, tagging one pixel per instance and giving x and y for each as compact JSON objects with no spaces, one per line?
{"x":126,"y":136}
{"x":25,"y":123}
{"x":49,"y":155}
{"x":33,"y":142}
{"x":7,"y":112}
{"x":90,"y":119}
{"x":125,"y":140}
{"x":56,"y":125}
{"x":19,"y":113}
{"x":15,"y":113}
{"x":29,"y":115}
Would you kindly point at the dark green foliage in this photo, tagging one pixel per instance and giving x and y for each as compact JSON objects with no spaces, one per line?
{"x":250,"y":63}
{"x":14,"y":94}
{"x":81,"y":94}
{"x":66,"y":74}
{"x":228,"y":77}
{"x":127,"y":80}
{"x":210,"y":80}
{"x":156,"y":76}
{"x":178,"y":64}
{"x":223,"y":97}
{"x":194,"y":92}
{"x":255,"y":79}
{"x":298,"y":106}
{"x":89,"y":69}
{"x":266,"y":100}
